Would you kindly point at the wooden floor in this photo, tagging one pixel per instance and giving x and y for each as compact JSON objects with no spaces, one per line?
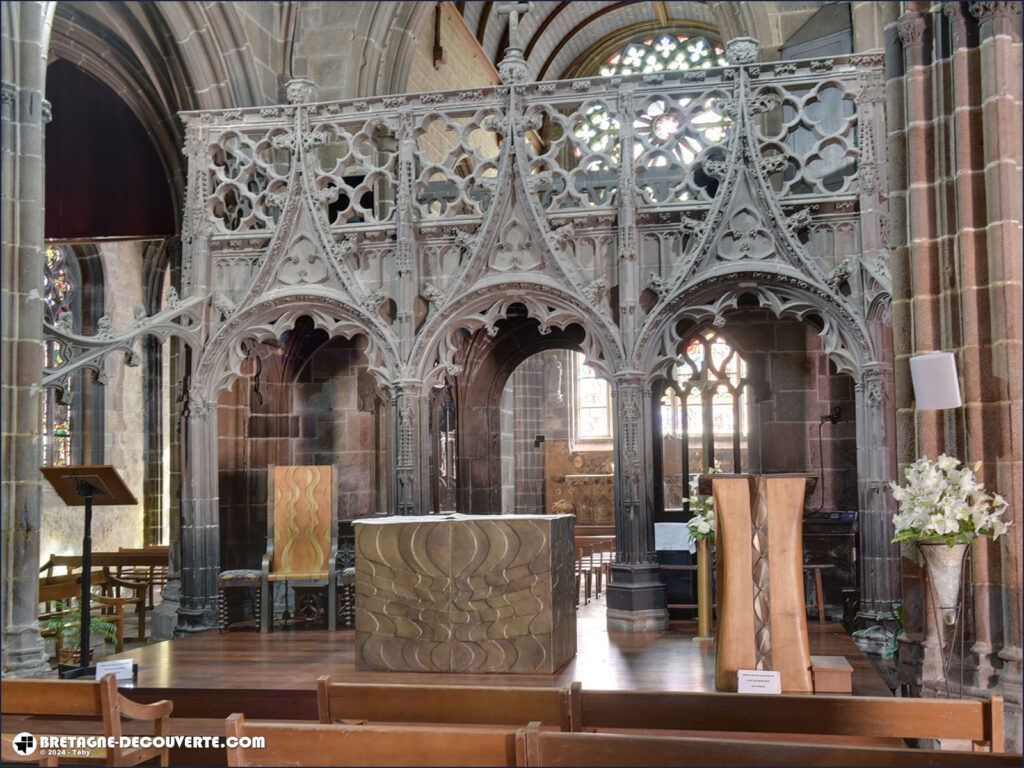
{"x":293,"y":659}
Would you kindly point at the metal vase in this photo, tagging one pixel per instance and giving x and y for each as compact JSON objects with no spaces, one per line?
{"x":945,"y":569}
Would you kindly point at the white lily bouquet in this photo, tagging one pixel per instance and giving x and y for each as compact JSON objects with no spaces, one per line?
{"x":940,"y":502}
{"x":702,"y":524}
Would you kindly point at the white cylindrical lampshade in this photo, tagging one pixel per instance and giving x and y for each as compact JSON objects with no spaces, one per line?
{"x":936,"y":385}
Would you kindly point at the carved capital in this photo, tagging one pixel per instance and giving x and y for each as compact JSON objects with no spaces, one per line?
{"x":996,"y":10}
{"x":301,"y":90}
{"x":910,"y":28}
{"x":742,"y":50}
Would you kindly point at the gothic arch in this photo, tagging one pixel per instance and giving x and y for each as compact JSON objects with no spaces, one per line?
{"x":224,"y":355}
{"x":438,"y":345}
{"x":846,"y":343}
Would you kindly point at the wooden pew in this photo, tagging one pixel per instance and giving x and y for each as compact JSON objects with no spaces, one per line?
{"x":553,"y":748}
{"x":861,"y":716}
{"x":9,"y":755}
{"x":449,"y":704}
{"x":86,"y":698}
{"x":383,"y":745}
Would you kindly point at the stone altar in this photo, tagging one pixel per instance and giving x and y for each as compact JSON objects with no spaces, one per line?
{"x":465,"y":593}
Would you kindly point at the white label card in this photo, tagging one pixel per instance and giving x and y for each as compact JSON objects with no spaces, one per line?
{"x":120,"y":668}
{"x":759,"y":681}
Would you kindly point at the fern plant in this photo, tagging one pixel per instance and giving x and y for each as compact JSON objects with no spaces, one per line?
{"x":68,"y":626}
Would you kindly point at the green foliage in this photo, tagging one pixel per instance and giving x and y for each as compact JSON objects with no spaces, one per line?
{"x":68,"y":624}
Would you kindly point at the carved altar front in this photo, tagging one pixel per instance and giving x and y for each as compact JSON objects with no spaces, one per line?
{"x":465,"y":593}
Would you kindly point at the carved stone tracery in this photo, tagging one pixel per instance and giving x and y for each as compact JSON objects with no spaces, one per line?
{"x":339,"y":210}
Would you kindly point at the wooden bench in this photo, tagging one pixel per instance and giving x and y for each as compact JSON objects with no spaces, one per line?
{"x":111,"y":584}
{"x":553,"y":748}
{"x":55,"y":590}
{"x":862,"y":716}
{"x":88,"y":698}
{"x":356,"y":745}
{"x":154,"y":573}
{"x":449,"y":704}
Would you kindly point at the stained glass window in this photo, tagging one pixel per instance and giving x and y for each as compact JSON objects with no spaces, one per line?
{"x":593,"y":403}
{"x":680,"y":131}
{"x":60,"y":292}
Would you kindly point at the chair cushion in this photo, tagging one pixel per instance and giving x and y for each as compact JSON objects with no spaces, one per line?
{"x":237,"y":576}
{"x":297,"y":576}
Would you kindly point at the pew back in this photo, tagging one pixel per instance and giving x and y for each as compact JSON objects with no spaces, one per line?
{"x":454,"y":704}
{"x":88,"y":698}
{"x":552,"y":748}
{"x":869,"y":716}
{"x":363,"y":745}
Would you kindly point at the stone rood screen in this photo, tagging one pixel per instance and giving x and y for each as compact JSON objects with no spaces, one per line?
{"x":621,"y":205}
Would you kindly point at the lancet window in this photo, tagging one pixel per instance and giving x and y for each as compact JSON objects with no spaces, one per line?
{"x":61,"y":293}
{"x":592,"y":403}
{"x":705,"y":405}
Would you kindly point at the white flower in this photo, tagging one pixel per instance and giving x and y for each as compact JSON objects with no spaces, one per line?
{"x":942,"y":502}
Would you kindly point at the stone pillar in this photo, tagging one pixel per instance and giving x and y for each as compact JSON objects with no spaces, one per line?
{"x":410,"y":433}
{"x":993,"y":416}
{"x":636,"y":596}
{"x":879,"y":563}
{"x":200,"y":523}
{"x":26,"y":32}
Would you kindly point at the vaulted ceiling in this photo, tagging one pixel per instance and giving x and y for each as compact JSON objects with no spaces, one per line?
{"x":559,"y":39}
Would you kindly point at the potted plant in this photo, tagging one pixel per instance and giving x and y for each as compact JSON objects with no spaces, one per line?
{"x":66,"y":627}
{"x":943,"y":508}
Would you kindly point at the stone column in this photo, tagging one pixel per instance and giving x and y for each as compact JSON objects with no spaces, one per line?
{"x":879,"y":563}
{"x":409,"y":434}
{"x":200,"y":524}
{"x":26,"y":33}
{"x":993,"y":419}
{"x":636,"y":596}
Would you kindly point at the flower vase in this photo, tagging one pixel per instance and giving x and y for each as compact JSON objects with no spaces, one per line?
{"x":945,"y":569}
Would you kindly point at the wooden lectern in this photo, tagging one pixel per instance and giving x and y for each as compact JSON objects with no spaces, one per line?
{"x":85,"y":486}
{"x":762,"y":620}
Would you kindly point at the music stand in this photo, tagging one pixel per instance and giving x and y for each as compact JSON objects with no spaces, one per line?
{"x":78,"y":486}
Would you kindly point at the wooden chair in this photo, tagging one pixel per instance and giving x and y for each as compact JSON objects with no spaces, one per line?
{"x":449,"y":704}
{"x":849,"y":716}
{"x":110,"y":584}
{"x":302,"y":534}
{"x":380,"y":745}
{"x":553,"y":748}
{"x":87,"y":698}
{"x":55,"y":590}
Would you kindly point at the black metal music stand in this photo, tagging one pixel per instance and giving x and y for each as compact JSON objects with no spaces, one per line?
{"x":86,"y":486}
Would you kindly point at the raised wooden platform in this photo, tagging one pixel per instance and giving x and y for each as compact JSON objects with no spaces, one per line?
{"x":294,"y":659}
{"x":273,"y":676}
